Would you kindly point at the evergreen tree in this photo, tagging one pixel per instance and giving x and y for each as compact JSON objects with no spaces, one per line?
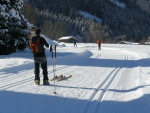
{"x":13,"y":26}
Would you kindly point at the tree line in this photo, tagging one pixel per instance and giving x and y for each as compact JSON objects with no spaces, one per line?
{"x":130,"y":23}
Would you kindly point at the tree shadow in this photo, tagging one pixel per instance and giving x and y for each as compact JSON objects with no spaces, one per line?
{"x":129,"y":90}
{"x":17,"y":102}
{"x":85,"y":60}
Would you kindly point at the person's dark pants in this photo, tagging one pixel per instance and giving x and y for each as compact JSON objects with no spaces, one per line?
{"x":99,"y":46}
{"x":75,"y":45}
{"x":37,"y":70}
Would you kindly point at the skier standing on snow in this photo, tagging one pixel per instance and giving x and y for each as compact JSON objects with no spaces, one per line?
{"x":40,"y":58}
{"x":99,"y":43}
{"x":75,"y":43}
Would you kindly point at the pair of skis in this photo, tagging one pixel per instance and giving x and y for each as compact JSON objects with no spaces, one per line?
{"x":60,"y":78}
{"x":53,"y":50}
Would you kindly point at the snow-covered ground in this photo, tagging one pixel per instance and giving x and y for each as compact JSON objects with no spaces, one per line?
{"x":113,"y":80}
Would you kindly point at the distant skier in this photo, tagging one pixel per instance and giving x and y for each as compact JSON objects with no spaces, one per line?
{"x":99,"y":43}
{"x":37,"y":44}
{"x":75,"y":43}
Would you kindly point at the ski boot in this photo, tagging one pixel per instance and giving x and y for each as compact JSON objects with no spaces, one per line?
{"x":37,"y":82}
{"x":45,"y":82}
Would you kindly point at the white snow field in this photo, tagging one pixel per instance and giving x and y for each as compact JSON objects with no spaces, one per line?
{"x":113,"y":80}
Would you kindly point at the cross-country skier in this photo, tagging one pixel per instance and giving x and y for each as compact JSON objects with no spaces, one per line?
{"x":40,"y":59}
{"x":75,"y":43}
{"x":99,"y":43}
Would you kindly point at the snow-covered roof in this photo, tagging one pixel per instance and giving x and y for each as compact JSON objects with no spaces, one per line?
{"x":147,"y":43}
{"x":66,"y":38}
{"x":127,"y":42}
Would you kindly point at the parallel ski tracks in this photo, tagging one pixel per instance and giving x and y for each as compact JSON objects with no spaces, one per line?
{"x":16,"y":80}
{"x":94,"y":106}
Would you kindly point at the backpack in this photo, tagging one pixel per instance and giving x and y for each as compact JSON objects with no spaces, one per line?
{"x":99,"y":41}
{"x":35,"y":45}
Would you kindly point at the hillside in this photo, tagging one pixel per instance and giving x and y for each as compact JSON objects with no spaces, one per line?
{"x":121,"y":19}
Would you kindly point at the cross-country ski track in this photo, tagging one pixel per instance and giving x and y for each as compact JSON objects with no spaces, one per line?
{"x":115,"y":79}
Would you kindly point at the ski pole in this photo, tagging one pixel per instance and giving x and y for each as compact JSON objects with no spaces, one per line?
{"x":54,"y":66}
{"x":55,"y":58}
{"x":51,"y":50}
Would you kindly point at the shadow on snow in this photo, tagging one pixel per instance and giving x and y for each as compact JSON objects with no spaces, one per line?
{"x":17,"y":102}
{"x":82,"y":60}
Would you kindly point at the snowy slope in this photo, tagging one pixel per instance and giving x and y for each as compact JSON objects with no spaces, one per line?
{"x":118,"y":3}
{"x":113,"y":80}
{"x":91,"y":17}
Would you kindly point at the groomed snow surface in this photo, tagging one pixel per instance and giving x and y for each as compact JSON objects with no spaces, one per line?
{"x":113,"y":80}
